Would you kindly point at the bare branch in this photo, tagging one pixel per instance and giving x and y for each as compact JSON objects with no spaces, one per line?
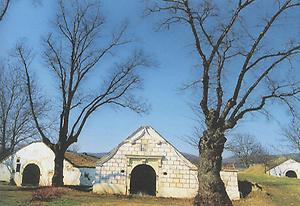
{"x":245,"y":68}
{"x":276,"y":95}
{"x":121,"y":82}
{"x":291,"y":134}
{"x":4,"y":6}
{"x":16,"y":124}
{"x":22,"y":55}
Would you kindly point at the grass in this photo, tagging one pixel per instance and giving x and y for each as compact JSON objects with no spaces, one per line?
{"x":276,"y":191}
{"x":13,"y":196}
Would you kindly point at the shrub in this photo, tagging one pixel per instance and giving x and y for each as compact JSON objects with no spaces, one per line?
{"x":47,"y":193}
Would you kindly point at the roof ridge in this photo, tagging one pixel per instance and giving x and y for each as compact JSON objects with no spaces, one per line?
{"x":114,"y":150}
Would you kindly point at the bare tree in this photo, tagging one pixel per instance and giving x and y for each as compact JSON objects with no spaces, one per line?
{"x":292,"y":135}
{"x":243,"y":70}
{"x":3,"y":8}
{"x":5,"y":4}
{"x":74,"y":148}
{"x":16,"y":125}
{"x":73,"y":53}
{"x":246,"y":148}
{"x":264,"y":157}
{"x":15,"y":117}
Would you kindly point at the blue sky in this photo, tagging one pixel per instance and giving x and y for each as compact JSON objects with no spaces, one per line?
{"x":171,"y":114}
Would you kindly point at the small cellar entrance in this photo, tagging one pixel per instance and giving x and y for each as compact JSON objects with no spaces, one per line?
{"x":31,"y":175}
{"x":291,"y":174}
{"x":143,"y":180}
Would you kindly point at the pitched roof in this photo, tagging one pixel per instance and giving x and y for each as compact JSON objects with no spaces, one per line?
{"x":76,"y":159}
{"x":192,"y":158}
{"x":143,"y":130}
{"x":281,"y":161}
{"x":110,"y":154}
{"x":81,"y":160}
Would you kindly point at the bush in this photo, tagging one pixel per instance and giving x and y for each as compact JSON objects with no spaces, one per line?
{"x":47,"y":193}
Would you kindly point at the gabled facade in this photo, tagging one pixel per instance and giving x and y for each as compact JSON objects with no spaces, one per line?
{"x":34,"y":165}
{"x":147,"y":163}
{"x":289,"y":168}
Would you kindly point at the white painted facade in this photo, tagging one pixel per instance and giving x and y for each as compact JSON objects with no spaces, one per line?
{"x":282,"y":169}
{"x":175,"y":175}
{"x":42,"y":156}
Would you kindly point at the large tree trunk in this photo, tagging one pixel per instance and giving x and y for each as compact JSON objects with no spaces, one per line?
{"x":58,"y":176}
{"x":211,"y":191}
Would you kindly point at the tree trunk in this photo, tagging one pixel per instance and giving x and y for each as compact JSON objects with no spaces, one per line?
{"x":211,"y":190}
{"x":3,"y":142}
{"x":58,"y":176}
{"x":2,"y":149}
{"x":3,"y":153}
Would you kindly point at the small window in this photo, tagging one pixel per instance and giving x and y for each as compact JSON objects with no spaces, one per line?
{"x":142,"y":147}
{"x":122,"y":171}
{"x":86,"y":175}
{"x":18,"y":167}
{"x":165,"y":173}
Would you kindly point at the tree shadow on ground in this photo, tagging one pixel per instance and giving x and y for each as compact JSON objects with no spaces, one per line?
{"x":80,"y":188}
{"x":245,"y":188}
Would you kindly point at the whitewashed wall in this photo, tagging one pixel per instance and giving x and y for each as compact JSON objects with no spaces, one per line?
{"x":282,"y":169}
{"x":176,"y":176}
{"x":41,"y":155}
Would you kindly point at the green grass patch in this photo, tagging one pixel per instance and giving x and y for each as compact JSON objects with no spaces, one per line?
{"x":13,"y":196}
{"x":276,"y":191}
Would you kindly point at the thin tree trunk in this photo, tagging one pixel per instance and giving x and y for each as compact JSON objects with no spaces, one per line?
{"x":211,"y":190}
{"x":58,"y":176}
{"x":3,"y":152}
{"x":2,"y":148}
{"x":3,"y":142}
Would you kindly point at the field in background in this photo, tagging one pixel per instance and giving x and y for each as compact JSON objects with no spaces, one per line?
{"x":274,"y":191}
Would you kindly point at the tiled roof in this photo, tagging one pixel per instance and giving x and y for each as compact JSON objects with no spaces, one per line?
{"x":81,"y":160}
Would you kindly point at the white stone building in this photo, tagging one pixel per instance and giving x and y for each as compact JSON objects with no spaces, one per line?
{"x":34,"y":165}
{"x":147,"y":163}
{"x":289,"y":168}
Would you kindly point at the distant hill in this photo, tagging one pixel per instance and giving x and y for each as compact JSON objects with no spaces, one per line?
{"x":98,"y":155}
{"x":192,"y":158}
{"x":275,"y":159}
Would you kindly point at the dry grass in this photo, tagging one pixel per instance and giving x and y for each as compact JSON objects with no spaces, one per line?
{"x":254,"y":170}
{"x":255,"y":199}
{"x":48,"y":193}
{"x":275,"y":192}
{"x":13,"y":196}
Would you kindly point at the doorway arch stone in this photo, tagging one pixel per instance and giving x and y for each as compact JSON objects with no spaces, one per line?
{"x":291,"y":174}
{"x":143,"y":180}
{"x":31,"y":175}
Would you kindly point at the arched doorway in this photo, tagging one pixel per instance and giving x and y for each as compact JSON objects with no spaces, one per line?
{"x":143,"y":180}
{"x":291,"y":174}
{"x":31,"y":175}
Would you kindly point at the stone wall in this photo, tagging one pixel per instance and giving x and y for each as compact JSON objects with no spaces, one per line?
{"x":176,"y":176}
{"x":230,"y":180}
